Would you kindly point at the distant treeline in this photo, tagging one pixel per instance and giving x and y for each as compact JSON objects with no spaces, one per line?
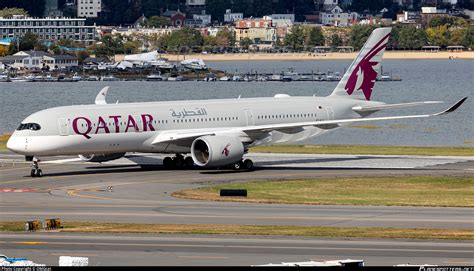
{"x":127,"y":11}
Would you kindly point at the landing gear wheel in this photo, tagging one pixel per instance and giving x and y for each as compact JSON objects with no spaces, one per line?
{"x":237,"y":165}
{"x":168,"y":162}
{"x":178,"y":161}
{"x":188,"y":162}
{"x":248,"y":164}
{"x":36,"y":171}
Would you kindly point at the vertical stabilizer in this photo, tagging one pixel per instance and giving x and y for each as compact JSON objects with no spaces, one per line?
{"x":359,"y":80}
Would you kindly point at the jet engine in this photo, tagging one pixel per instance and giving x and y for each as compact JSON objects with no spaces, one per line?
{"x":214,"y":151}
{"x":101,"y":157}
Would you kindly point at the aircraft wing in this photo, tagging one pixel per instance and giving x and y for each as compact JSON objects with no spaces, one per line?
{"x":250,"y":133}
{"x":328,"y":124}
{"x":371,"y":108}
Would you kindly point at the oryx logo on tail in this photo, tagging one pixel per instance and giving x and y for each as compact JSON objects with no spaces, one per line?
{"x":363,"y":76}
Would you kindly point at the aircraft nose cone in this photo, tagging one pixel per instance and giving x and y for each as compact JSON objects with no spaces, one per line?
{"x":14,"y":144}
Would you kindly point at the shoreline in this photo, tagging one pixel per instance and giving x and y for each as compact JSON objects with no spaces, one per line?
{"x":409,"y":55}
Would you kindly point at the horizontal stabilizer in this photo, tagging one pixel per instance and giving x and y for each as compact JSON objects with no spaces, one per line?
{"x":371,"y":108}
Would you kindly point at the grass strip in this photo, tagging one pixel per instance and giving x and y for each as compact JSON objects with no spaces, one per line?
{"x":434,"y":191}
{"x":264,"y":230}
{"x":366,"y":149}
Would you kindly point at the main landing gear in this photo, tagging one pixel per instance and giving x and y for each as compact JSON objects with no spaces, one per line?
{"x":36,"y":171}
{"x":178,"y":162}
{"x":246,"y":164}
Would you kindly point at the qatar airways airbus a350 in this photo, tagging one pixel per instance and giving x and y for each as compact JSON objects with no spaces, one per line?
{"x":215,"y":132}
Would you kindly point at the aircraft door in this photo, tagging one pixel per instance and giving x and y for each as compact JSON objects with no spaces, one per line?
{"x":249,"y":117}
{"x":63,"y":127}
{"x":330,"y":112}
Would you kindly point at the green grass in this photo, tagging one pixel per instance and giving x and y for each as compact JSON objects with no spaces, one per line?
{"x":366,"y":149}
{"x":387,"y":191}
{"x":3,"y":141}
{"x":268,"y":230}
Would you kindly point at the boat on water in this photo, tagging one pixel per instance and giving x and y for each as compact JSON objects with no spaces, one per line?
{"x":110,"y":78}
{"x":4,"y":78}
{"x":236,"y":78}
{"x":92,"y":78}
{"x":290,"y":76}
{"x":155,"y":77}
{"x":30,"y":78}
{"x":210,"y":77}
{"x":176,"y":78}
{"x":18,"y":79}
{"x":275,"y":77}
{"x":76,"y":78}
{"x":224,"y":78}
{"x":333,"y":76}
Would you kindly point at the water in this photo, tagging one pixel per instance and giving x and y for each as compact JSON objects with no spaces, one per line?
{"x":445,"y":80}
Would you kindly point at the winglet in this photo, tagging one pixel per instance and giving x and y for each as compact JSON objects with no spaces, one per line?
{"x":452,"y":108}
{"x":100,"y":98}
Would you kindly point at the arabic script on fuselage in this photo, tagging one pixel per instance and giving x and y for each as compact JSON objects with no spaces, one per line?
{"x":181,"y":114}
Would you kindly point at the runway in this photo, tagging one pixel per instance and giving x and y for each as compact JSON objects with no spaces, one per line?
{"x":127,"y":249}
{"x":76,"y":191}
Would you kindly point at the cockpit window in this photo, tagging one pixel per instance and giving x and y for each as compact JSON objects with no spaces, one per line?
{"x":29,"y":126}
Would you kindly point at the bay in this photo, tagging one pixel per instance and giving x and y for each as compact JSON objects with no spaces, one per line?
{"x":444,"y":80}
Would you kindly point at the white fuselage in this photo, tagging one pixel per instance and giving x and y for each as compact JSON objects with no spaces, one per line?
{"x":132,"y":127}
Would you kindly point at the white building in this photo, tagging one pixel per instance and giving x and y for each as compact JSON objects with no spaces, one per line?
{"x":89,"y":8}
{"x":194,"y":3}
{"x":205,"y":18}
{"x":337,"y":17}
{"x":40,"y":60}
{"x":283,"y":17}
{"x":47,"y":29}
{"x":232,"y":17}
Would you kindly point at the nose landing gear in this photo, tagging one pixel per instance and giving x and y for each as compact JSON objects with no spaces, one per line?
{"x":36,"y":171}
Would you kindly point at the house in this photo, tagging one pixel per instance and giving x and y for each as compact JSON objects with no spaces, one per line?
{"x":257,"y":30}
{"x":177,"y":19}
{"x":61,"y":62}
{"x":230,"y":17}
{"x":409,"y":17}
{"x":40,"y":60}
{"x":205,"y":18}
{"x":337,"y":17}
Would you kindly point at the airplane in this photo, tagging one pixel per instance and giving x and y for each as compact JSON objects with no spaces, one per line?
{"x":216,"y":133}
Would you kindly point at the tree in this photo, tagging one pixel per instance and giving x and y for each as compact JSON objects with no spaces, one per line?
{"x":245,"y":43}
{"x":468,"y":40}
{"x":9,"y":12}
{"x":359,"y":35}
{"x":217,"y":8}
{"x":183,"y":39}
{"x":3,"y":51}
{"x":412,"y":38}
{"x":81,"y":55}
{"x":437,"y":35}
{"x":456,"y":36}
{"x":225,"y":37}
{"x":29,"y":41}
{"x":34,"y":8}
{"x":315,"y":37}
{"x":295,"y":39}
{"x":336,"y":40}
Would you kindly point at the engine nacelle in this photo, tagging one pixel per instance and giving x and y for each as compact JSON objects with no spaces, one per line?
{"x":101,"y":157}
{"x":214,"y":151}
